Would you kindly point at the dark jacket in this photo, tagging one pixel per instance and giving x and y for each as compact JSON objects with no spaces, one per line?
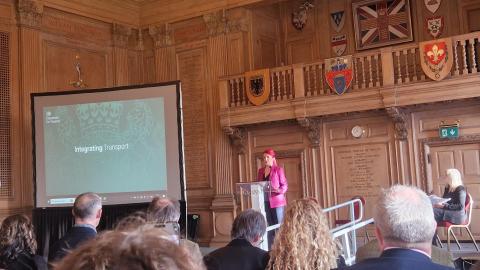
{"x":70,"y":241}
{"x":454,"y":210}
{"x":27,"y":261}
{"x":238,"y":254}
{"x":398,"y":259}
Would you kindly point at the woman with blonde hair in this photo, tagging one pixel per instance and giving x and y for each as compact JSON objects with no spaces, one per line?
{"x":452,"y":211}
{"x":304,"y":240}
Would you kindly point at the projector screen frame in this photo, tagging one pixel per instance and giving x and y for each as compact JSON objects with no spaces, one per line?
{"x":179,"y":109}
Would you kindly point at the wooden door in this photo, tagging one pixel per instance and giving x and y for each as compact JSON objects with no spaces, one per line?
{"x":465,"y":158}
{"x":293,"y":171}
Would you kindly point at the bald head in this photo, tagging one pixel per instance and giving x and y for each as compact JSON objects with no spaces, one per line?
{"x":86,"y":206}
{"x":163,"y":210}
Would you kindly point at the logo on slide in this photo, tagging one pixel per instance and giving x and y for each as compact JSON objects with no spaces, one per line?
{"x":51,"y":119}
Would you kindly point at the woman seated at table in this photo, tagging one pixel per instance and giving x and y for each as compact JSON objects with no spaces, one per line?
{"x":453,"y":210}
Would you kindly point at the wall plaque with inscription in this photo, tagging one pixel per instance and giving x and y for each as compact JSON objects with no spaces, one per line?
{"x":361,"y":170}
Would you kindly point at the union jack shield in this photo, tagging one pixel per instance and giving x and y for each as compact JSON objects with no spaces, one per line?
{"x":381,"y":23}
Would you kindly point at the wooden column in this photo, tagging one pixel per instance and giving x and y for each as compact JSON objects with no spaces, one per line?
{"x":223,"y":204}
{"x":400,"y":124}
{"x":165,"y":63}
{"x":121,"y":33}
{"x":31,"y":80}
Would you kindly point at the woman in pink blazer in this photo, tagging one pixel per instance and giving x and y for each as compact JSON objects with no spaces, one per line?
{"x":278,"y":183}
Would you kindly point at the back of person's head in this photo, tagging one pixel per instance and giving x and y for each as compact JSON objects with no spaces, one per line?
{"x":249,"y":225}
{"x":147,"y":248}
{"x":304,"y":240}
{"x":455,"y":178}
{"x":163,"y":210}
{"x":87,"y":206}
{"x":16,"y":236}
{"x":476,"y":266}
{"x":404,"y":216}
{"x":132,"y":221}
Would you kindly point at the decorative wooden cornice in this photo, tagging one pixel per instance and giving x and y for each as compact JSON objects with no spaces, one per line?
{"x":162,"y":35}
{"x":121,"y":33}
{"x":399,"y":118}
{"x":237,"y":138}
{"x":30,"y":13}
{"x":312,"y":125}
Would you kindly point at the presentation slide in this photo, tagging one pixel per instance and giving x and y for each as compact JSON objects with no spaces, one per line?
{"x":123,"y":144}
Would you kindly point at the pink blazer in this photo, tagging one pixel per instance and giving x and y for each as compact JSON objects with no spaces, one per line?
{"x":277,"y":181}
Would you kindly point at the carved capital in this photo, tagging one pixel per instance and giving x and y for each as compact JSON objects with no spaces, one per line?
{"x":399,"y":119}
{"x":237,"y":138}
{"x":30,"y":12}
{"x":312,"y":125}
{"x":121,"y":33}
{"x":162,"y":35}
{"x":216,"y":23}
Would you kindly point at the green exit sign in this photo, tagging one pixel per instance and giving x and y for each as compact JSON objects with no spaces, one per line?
{"x":449,"y":132}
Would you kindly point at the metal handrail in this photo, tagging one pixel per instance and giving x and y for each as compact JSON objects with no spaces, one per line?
{"x":350,"y":203}
{"x":350,"y":253}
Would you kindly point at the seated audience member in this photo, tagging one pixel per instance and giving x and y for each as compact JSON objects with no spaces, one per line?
{"x":132,"y":221}
{"x":304,"y":240}
{"x":166,"y":212}
{"x":372,"y":250}
{"x":146,"y":248}
{"x":452,"y":211}
{"x":18,"y":245}
{"x":87,"y":210}
{"x":404,"y":226}
{"x":242,"y":252}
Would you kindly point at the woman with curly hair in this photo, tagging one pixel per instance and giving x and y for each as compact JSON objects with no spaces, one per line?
{"x":17,"y":243}
{"x":304,"y":240}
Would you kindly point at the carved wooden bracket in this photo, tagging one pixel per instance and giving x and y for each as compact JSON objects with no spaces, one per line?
{"x":121,"y":33}
{"x":312,"y":125}
{"x":237,"y":138}
{"x":162,"y":35}
{"x":399,"y":119}
{"x":30,"y":12}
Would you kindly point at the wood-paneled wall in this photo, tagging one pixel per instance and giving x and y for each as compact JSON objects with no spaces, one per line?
{"x":133,"y":42}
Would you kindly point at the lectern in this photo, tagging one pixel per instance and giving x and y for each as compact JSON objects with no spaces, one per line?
{"x":253,"y":195}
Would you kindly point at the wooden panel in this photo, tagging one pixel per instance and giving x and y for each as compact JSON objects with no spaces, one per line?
{"x":300,"y":51}
{"x":268,"y":53}
{"x":338,"y":133}
{"x":471,"y":163}
{"x":473,"y":21}
{"x":76,"y":27}
{"x":6,"y":185}
{"x":189,"y":30}
{"x":280,"y":138}
{"x":191,"y":71}
{"x":59,"y":66}
{"x":236,"y":55}
{"x":293,"y":171}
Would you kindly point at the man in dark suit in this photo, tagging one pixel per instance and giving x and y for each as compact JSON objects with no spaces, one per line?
{"x":404,"y":226}
{"x":87,"y":211}
{"x":242,"y":252}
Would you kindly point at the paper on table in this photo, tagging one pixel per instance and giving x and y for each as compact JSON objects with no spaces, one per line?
{"x":438,"y":200}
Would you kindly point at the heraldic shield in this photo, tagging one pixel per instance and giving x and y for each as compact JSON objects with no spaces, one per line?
{"x":257,"y":84}
{"x":339,"y":73}
{"x":436,"y":57}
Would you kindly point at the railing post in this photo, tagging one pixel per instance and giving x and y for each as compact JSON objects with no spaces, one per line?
{"x":223,"y":94}
{"x":387,"y":67}
{"x":298,"y":81}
